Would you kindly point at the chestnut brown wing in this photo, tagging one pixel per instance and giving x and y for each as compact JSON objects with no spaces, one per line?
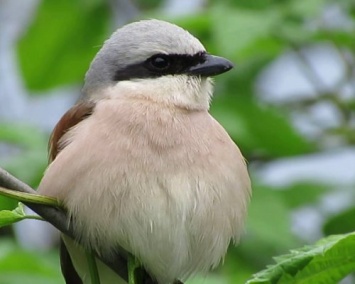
{"x":75,"y":115}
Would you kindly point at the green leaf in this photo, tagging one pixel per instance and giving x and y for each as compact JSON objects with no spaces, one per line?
{"x":328,"y":261}
{"x":8,"y":217}
{"x":61,"y":42}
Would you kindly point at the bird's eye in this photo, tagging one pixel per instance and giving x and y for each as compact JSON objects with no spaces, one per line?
{"x":160,"y":62}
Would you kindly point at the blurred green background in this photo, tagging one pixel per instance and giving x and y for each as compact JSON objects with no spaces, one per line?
{"x":288,"y":103}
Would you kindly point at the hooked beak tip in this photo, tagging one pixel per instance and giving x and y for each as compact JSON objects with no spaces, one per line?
{"x":211,"y":66}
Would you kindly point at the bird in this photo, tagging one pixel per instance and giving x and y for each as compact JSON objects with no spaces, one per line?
{"x":139,"y":163}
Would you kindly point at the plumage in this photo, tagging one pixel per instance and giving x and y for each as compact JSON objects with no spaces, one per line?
{"x":72,"y":117}
{"x":148,"y":169}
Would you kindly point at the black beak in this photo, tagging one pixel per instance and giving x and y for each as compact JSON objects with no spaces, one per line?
{"x":211,"y":66}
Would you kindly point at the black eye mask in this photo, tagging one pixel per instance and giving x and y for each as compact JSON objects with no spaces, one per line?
{"x":159,"y":65}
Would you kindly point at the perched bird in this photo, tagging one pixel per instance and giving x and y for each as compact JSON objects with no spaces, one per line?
{"x":139,"y":163}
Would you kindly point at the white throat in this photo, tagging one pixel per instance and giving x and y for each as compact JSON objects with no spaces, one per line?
{"x":179,"y":90}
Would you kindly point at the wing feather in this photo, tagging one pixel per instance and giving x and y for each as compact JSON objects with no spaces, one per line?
{"x":73,"y":116}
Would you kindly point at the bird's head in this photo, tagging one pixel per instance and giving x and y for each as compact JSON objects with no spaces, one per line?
{"x":155,"y":60}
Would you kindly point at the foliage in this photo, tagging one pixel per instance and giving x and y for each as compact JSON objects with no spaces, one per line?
{"x":57,"y":49}
{"x":328,"y":261}
{"x":8,"y":217}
